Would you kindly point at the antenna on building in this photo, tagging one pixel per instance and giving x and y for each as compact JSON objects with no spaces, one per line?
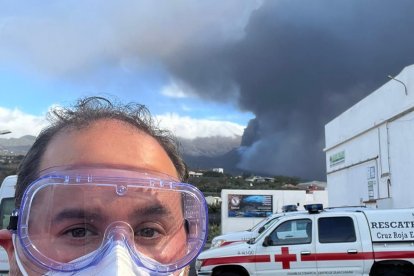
{"x":405,"y":87}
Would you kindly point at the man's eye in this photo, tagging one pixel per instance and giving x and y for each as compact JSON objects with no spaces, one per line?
{"x":79,"y":232}
{"x":149,"y":233}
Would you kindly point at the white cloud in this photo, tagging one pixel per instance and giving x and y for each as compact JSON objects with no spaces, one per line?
{"x":173,"y":91}
{"x":187,"y":127}
{"x":20,"y":123}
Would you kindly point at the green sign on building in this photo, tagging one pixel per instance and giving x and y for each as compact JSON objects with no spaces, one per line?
{"x":337,"y":158}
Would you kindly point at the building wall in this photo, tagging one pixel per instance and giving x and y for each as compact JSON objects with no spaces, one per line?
{"x":349,"y":180}
{"x":401,"y":136}
{"x":370,"y":148}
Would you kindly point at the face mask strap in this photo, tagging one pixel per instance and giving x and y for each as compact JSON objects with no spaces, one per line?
{"x":14,"y":217}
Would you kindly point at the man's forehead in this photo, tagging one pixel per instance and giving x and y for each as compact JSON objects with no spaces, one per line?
{"x":109,"y":142}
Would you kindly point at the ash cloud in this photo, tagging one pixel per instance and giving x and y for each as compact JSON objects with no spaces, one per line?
{"x":299,"y":65}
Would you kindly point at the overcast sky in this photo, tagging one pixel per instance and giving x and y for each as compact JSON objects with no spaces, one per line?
{"x":283,"y":68}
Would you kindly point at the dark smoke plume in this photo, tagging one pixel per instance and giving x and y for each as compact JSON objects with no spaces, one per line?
{"x":299,"y":65}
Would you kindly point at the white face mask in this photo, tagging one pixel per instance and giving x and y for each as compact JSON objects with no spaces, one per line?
{"x":116,"y":262}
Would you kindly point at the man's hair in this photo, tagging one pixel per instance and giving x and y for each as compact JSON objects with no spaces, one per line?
{"x":85,"y":112}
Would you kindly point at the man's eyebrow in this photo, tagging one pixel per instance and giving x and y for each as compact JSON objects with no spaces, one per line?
{"x":153,"y":210}
{"x":76,"y":213}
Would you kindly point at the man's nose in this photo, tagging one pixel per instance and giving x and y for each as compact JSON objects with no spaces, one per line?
{"x":119,"y":231}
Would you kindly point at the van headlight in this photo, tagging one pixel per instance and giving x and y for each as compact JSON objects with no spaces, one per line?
{"x":216,"y":243}
{"x":198,"y":264}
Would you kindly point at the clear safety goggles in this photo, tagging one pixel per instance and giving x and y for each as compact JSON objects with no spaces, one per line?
{"x":70,"y":218}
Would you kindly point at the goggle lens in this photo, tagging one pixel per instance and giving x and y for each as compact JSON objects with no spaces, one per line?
{"x":64,"y":218}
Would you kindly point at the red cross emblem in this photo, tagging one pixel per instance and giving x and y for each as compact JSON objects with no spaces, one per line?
{"x":285,"y":258}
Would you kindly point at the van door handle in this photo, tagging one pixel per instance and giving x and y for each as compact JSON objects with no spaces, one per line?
{"x":352,"y":251}
{"x":305,"y":253}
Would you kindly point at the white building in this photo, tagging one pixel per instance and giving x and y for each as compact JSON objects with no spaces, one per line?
{"x":370,"y":148}
{"x":259,"y":179}
{"x":195,"y":174}
{"x":317,"y":185}
{"x":213,"y":200}
{"x":219,"y":170}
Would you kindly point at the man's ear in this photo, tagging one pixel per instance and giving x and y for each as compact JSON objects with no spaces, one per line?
{"x":6,"y":241}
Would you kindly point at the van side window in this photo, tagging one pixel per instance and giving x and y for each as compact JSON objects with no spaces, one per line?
{"x":336,"y":229}
{"x":6,"y":208}
{"x":297,"y":231}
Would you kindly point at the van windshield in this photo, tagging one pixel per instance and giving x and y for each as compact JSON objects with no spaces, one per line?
{"x":267,"y":226}
{"x":6,"y":208}
{"x":258,"y":225}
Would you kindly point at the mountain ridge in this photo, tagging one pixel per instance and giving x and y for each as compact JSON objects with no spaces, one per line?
{"x":198,"y":153}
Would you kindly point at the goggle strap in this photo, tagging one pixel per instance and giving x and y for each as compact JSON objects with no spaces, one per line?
{"x":187,"y":226}
{"x":14,"y":217}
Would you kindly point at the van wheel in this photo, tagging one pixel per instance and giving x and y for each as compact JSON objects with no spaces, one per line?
{"x":394,"y":272}
{"x":231,"y":270}
{"x":228,"y":273}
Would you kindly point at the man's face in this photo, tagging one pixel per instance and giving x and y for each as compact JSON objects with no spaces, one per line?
{"x":106,"y":143}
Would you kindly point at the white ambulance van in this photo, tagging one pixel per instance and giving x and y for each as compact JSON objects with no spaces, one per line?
{"x":7,"y":191}
{"x":246,"y":235}
{"x":334,"y":241}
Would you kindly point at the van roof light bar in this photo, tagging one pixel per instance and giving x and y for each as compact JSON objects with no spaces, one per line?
{"x":289,"y":208}
{"x":313,"y":208}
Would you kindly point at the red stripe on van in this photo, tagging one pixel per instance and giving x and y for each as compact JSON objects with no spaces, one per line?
{"x":229,"y":242}
{"x":337,"y":256}
{"x":358,"y":256}
{"x":394,"y":255}
{"x":237,"y":260}
{"x":314,"y":257}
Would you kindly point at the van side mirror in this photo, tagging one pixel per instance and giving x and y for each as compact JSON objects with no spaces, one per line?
{"x":251,"y":241}
{"x":261,"y":229}
{"x":267,"y":241}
